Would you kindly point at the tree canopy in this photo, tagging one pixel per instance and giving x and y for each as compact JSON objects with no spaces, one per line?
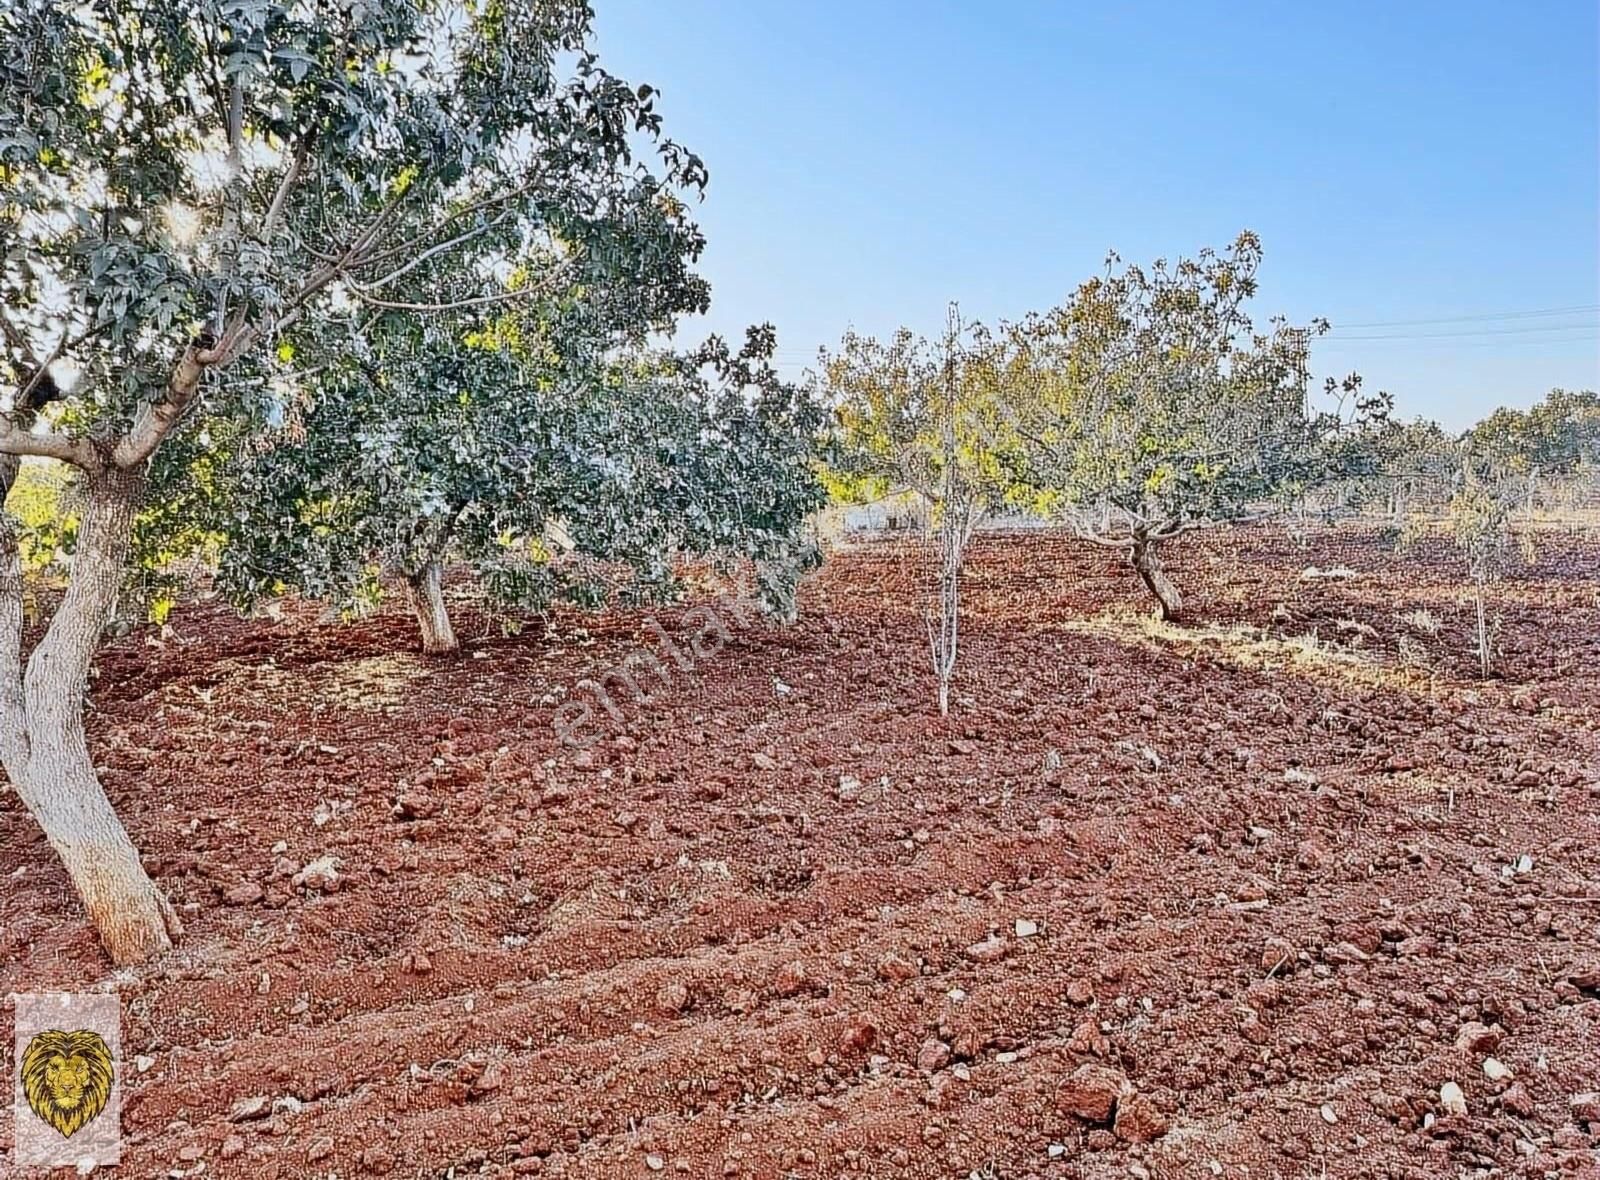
{"x":200,"y":200}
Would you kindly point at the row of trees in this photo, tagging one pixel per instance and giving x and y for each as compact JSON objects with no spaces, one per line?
{"x":1150,"y":404}
{"x":334,"y":291}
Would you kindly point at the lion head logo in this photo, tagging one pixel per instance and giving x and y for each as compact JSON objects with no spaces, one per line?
{"x":66,"y":1077}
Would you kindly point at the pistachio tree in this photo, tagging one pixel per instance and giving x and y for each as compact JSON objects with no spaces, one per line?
{"x":583,"y":477}
{"x":192,"y":193}
{"x":927,"y":418}
{"x":1557,"y":437}
{"x":1160,"y":407}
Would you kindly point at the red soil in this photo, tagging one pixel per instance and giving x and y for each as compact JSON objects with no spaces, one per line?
{"x":1271,"y":885}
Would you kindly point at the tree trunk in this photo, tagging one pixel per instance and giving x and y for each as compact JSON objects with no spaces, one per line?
{"x":1147,"y":561}
{"x":427,"y":600}
{"x":42,"y":739}
{"x":1485,"y":658}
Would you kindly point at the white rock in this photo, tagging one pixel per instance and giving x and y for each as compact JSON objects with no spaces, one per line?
{"x":319,"y":874}
{"x":1027,"y":928}
{"x":1495,"y":1070}
{"x":1452,"y":1099}
{"x":142,"y":1063}
{"x":1328,"y":1115}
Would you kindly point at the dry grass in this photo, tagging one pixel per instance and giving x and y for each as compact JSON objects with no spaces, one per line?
{"x":1244,"y":646}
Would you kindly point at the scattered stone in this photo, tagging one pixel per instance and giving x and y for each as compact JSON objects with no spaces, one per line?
{"x":765,"y":762}
{"x":673,"y":997}
{"x":491,"y":1079}
{"x":1277,"y":956}
{"x":1585,"y":977}
{"x":933,"y":1056}
{"x":246,"y":1109}
{"x":791,"y":979}
{"x":893,"y":967}
{"x":1496,"y":1070}
{"x":232,"y":1146}
{"x":412,"y":805}
{"x":859,"y":1033}
{"x":961,"y":746}
{"x":990,"y":950}
{"x":1585,"y":1106}
{"x":378,"y":1160}
{"x":1344,"y":952}
{"x":245,"y":893}
{"x":1452,"y":1099}
{"x":321,"y":875}
{"x":1080,"y":991}
{"x":1139,"y":1120}
{"x":849,"y":787}
{"x":1517,"y":1101}
{"x":1090,"y":1092}
{"x":320,"y":1150}
{"x":1417,"y":946}
{"x":1473,"y":1037}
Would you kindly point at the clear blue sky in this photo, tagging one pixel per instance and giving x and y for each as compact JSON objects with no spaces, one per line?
{"x":871,"y":160}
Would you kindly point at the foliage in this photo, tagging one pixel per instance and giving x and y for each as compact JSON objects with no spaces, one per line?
{"x":549,"y":475}
{"x":929,"y":418}
{"x":918,"y":415}
{"x":1481,"y":519}
{"x":1161,"y":406}
{"x":180,"y":163}
{"x":198,"y":198}
{"x":41,"y":504}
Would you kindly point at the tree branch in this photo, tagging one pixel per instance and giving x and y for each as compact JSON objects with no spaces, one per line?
{"x":156,"y":419}
{"x":465,"y":211}
{"x":14,"y":440}
{"x":280,"y":199}
{"x":430,"y":253}
{"x":453,"y":305}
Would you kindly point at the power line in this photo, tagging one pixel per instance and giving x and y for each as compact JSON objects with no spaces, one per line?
{"x":1464,"y":332}
{"x":1575,"y":309}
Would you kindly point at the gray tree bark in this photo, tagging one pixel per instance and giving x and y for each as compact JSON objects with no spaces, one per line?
{"x":1147,"y":561}
{"x":425,"y":591}
{"x":42,"y":739}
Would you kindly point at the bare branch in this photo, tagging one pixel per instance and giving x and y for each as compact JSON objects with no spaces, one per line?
{"x":19,"y":342}
{"x":32,"y":383}
{"x":280,"y":199}
{"x":434,"y":252}
{"x":412,"y":244}
{"x":14,"y":440}
{"x":156,"y":419}
{"x":453,"y":305}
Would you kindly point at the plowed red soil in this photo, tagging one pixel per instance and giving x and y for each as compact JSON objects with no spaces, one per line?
{"x":1273,"y":863}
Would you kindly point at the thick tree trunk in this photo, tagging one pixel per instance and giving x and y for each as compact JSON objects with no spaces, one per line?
{"x":1147,"y":561}
{"x":427,"y":600}
{"x":42,"y":740}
